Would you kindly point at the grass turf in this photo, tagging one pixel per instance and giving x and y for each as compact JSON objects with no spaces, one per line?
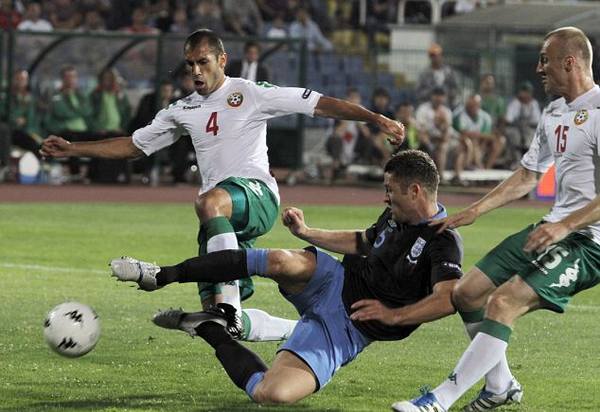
{"x":50,"y":253}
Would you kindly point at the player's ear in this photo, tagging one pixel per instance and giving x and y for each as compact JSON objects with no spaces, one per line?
{"x":569,"y":63}
{"x":223,"y":60}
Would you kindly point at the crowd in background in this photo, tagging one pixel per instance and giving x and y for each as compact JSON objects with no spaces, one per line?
{"x":482,"y":132}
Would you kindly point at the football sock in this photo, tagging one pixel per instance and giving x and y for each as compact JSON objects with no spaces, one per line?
{"x":225,"y":265}
{"x":242,"y":365}
{"x":259,"y":326}
{"x":221,"y":236}
{"x":499,"y":378}
{"x":484,"y":352}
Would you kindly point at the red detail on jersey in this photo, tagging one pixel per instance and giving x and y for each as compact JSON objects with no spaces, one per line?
{"x":561,"y":138}
{"x":211,"y":125}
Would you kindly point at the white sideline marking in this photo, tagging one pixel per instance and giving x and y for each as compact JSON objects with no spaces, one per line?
{"x":258,"y":281}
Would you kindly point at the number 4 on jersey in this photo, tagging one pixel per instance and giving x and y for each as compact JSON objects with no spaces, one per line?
{"x":211,"y":125}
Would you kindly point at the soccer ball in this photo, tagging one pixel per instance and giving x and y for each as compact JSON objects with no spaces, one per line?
{"x":72,"y":329}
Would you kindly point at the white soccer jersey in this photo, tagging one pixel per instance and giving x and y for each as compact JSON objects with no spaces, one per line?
{"x":228,"y":128}
{"x":570,"y":140}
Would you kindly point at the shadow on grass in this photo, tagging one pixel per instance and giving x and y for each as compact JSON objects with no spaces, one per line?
{"x":171,"y":402}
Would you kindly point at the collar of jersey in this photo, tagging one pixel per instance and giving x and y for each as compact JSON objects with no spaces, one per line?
{"x":217,"y":93}
{"x":441,"y":213}
{"x":580,"y":101}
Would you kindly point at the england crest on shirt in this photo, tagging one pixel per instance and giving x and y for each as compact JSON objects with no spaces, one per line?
{"x":416,"y":250}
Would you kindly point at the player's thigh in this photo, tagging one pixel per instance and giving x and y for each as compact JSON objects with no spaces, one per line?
{"x":213,"y":203}
{"x":563,"y":270}
{"x":288,"y":380}
{"x":472,"y":290}
{"x":292,"y":269}
{"x":512,"y":300}
{"x":254,"y":207}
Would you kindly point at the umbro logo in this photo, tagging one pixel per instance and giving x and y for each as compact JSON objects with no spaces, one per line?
{"x":192,"y":107}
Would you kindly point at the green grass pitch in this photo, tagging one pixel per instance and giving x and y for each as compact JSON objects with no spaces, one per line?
{"x":50,"y":253}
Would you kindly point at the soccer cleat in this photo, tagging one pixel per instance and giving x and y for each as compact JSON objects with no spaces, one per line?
{"x":424,"y":403}
{"x":128,"y":269}
{"x":222,"y":313}
{"x":486,"y":400}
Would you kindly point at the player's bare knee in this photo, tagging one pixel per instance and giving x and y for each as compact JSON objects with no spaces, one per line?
{"x":500,"y":305}
{"x":215,"y":202}
{"x":274,"y":394}
{"x":279,"y":261}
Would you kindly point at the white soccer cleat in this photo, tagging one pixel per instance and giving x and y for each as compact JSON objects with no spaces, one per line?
{"x":486,"y":400}
{"x":188,"y":321}
{"x":424,"y":403}
{"x":128,"y":269}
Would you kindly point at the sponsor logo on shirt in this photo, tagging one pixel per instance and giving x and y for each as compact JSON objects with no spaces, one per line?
{"x":192,"y":107}
{"x":306,"y":93}
{"x":235,"y":99}
{"x":451,"y":265}
{"x":581,"y":117}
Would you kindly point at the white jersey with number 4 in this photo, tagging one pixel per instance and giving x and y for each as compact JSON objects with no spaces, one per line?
{"x":228,"y":128}
{"x":568,"y":136}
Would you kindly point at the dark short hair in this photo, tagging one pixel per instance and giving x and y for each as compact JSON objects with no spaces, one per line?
{"x":67,"y":68}
{"x":380,"y":91}
{"x":414,"y":166}
{"x":250,"y":44}
{"x":438,"y":91}
{"x":214,"y":41}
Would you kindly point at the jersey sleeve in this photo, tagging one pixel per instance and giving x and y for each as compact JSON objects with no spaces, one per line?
{"x":372,"y":231}
{"x":162,"y":132}
{"x":446,"y":252}
{"x":273,"y":101}
{"x":539,"y":156}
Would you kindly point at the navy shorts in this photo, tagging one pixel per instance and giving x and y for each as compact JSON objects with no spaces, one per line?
{"x":324,"y":338}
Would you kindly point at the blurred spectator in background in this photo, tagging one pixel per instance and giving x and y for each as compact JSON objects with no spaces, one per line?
{"x":379,"y":150}
{"x":243,"y":17}
{"x":149,"y":105}
{"x":9,"y":16}
{"x":270,"y":9}
{"x":111,"y":113}
{"x":180,"y":21}
{"x":249,"y":67}
{"x":475,"y":125}
{"x":277,"y":29}
{"x":494,"y":105}
{"x":305,"y":28}
{"x":436,"y":135}
{"x":33,"y":19}
{"x":159,"y":15}
{"x":412,"y":139}
{"x":111,"y":110}
{"x":68,"y":114}
{"x":437,"y":74}
{"x":64,"y":14}
{"x":93,"y":21}
{"x":349,"y":142}
{"x":522,"y":116}
{"x":22,"y":128}
{"x":465,"y":6}
{"x":380,"y":13}
{"x":139,"y":22}
{"x":207,"y":14}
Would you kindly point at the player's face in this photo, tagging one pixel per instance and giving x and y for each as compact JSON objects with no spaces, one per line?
{"x":551,"y":69}
{"x":399,"y":199}
{"x":207,"y":69}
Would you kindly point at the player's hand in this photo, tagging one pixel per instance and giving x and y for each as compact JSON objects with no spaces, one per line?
{"x":293,"y":219}
{"x":55,"y":146}
{"x":545,"y":235}
{"x":463,"y":218}
{"x":393,"y":129}
{"x":372,"y":309}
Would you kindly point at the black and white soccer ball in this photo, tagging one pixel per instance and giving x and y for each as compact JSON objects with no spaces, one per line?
{"x":72,"y":329}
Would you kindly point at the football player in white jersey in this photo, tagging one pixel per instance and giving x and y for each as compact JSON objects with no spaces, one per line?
{"x":227,"y":119}
{"x":547,"y":263}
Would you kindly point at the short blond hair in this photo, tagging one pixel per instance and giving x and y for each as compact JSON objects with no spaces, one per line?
{"x":575,"y":42}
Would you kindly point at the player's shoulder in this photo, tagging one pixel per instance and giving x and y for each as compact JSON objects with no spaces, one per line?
{"x":448,"y":238}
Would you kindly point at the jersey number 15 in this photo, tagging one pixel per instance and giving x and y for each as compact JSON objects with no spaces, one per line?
{"x":561,"y":138}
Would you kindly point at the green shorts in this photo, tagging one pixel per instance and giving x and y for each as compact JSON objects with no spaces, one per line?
{"x":255,"y":209}
{"x":563,"y":270}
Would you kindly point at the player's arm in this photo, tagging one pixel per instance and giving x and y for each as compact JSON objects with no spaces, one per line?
{"x":517,"y":185}
{"x":337,"y":241}
{"x":434,"y":306}
{"x":114,"y":148}
{"x":341,"y":109}
{"x":549,"y":233}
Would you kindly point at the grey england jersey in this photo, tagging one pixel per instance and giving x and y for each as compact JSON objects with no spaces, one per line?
{"x":568,"y":136}
{"x":228,"y":128}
